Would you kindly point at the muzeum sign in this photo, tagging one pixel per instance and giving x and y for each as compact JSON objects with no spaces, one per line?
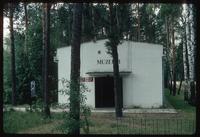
{"x":105,"y":61}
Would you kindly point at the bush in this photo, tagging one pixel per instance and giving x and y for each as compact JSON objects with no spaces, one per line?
{"x":85,"y":111}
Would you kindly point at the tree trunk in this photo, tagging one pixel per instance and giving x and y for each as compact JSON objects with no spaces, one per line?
{"x":167,"y":53}
{"x":26,"y":27}
{"x":117,"y":84}
{"x":75,"y":68}
{"x":69,"y":24}
{"x":179,"y":89}
{"x":171,"y":85}
{"x":186,"y":63}
{"x":14,"y":95}
{"x":192,"y":91}
{"x":138,"y":21}
{"x":166,"y":78}
{"x":170,"y":79}
{"x":174,"y":63}
{"x":46,"y":45}
{"x":191,"y":44}
{"x":1,"y":53}
{"x":190,"y":40}
{"x":189,"y":51}
{"x":186,"y":57}
{"x":93,"y":24}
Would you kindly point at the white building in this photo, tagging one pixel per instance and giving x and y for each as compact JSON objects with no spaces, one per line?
{"x":140,"y":66}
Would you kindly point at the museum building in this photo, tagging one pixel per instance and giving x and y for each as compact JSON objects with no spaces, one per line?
{"x":140,"y":68}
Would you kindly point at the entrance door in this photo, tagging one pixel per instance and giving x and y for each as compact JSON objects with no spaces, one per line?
{"x":104,"y":92}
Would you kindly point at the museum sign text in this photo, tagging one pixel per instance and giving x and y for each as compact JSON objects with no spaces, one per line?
{"x":105,"y":61}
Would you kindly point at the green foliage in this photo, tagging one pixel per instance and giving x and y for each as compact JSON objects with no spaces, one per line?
{"x":85,"y":111}
{"x":125,"y":18}
{"x":29,"y":66}
{"x":170,"y":10}
{"x":87,"y":28}
{"x":22,"y":70}
{"x":179,"y":103}
{"x":61,"y":26}
{"x":37,"y":106}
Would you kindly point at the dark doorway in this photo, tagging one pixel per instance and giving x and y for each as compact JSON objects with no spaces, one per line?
{"x":104,"y":92}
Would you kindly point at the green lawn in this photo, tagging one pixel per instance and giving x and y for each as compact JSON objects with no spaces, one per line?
{"x":15,"y":121}
{"x":180,"y":105}
{"x":105,"y":123}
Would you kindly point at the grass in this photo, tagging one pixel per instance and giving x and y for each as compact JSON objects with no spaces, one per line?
{"x":185,"y":109}
{"x":178,"y":102}
{"x":15,"y":121}
{"x":106,"y":123}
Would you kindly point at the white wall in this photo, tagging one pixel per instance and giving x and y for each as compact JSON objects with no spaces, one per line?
{"x":89,"y":56}
{"x":64,"y":66}
{"x":142,"y":87}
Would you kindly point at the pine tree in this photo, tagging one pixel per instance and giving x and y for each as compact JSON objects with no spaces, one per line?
{"x":75,"y":68}
{"x":114,"y":40}
{"x":46,"y":46}
{"x":14,"y":94}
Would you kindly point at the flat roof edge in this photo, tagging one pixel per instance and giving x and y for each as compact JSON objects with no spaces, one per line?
{"x":128,"y":41}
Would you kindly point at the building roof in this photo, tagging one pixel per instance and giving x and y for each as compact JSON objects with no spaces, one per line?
{"x":104,"y":40}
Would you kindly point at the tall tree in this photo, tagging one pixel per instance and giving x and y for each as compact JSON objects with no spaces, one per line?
{"x":190,"y":41}
{"x":46,"y":46}
{"x":75,"y":68}
{"x":28,"y":64}
{"x":114,"y":40}
{"x":173,"y":61}
{"x":180,"y":66}
{"x":93,"y":23}
{"x":26,"y":27}
{"x":138,"y":22}
{"x":13,"y":72}
{"x":185,"y":60}
{"x":1,"y":54}
{"x":169,"y":15}
{"x":167,"y":52}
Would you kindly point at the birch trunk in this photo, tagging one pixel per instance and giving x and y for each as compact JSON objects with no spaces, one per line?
{"x":189,"y":51}
{"x":190,"y":37}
